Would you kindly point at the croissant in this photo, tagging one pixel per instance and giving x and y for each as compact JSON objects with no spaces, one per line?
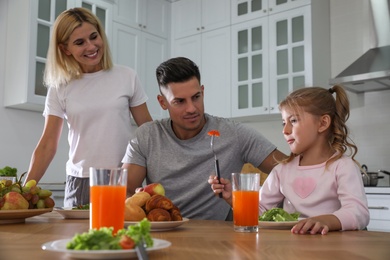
{"x":158,"y":214}
{"x":175,"y":214}
{"x":158,"y":201}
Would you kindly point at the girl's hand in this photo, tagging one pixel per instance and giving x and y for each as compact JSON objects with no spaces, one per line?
{"x":310,"y":225}
{"x":225,"y":187}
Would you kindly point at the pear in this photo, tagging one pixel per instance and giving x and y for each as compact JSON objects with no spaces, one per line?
{"x":14,"y":200}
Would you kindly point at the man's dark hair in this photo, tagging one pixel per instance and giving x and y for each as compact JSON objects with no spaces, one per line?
{"x":178,"y":69}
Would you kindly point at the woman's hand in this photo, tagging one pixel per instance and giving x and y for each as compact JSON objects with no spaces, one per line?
{"x":225,"y":187}
{"x":317,"y":225}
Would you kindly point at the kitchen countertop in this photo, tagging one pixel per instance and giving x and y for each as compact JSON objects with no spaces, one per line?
{"x":202,"y":239}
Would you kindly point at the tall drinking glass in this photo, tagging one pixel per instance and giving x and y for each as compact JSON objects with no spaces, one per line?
{"x":107,"y":198}
{"x":246,"y":188}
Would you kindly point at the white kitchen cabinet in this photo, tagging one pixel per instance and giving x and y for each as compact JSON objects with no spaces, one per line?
{"x":211,"y":52}
{"x":151,"y":16}
{"x":28,"y":33}
{"x":196,"y":16}
{"x":245,"y":10}
{"x":201,"y":32}
{"x":143,"y":52}
{"x":276,"y":54}
{"x":379,"y":206}
{"x":27,"y":47}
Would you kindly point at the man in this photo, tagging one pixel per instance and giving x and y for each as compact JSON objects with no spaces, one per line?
{"x":176,"y":151}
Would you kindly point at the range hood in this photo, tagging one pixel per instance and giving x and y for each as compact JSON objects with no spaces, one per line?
{"x":371,"y":72}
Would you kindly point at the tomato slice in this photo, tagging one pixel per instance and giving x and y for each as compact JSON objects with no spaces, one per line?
{"x":126,"y":242}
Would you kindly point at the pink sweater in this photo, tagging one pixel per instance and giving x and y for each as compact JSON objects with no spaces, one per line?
{"x":314,"y":190}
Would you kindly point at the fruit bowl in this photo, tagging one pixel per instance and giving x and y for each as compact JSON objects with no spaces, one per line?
{"x":20,"y":215}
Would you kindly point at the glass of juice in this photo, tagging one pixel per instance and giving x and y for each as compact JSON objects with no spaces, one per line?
{"x":107,"y":198}
{"x":246,"y":188}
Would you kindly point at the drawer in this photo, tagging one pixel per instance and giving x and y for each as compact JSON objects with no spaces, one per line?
{"x":379,"y":206}
{"x":379,"y":225}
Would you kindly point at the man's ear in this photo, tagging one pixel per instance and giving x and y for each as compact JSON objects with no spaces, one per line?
{"x":325,"y":121}
{"x":161,"y":100}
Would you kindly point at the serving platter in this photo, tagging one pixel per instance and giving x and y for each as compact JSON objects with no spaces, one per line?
{"x":69,"y":213}
{"x":20,"y":215}
{"x":277,"y":225}
{"x":60,"y":247}
{"x":161,"y":225}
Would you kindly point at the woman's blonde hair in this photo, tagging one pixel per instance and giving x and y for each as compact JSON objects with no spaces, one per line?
{"x":318,"y":102}
{"x":60,"y":68}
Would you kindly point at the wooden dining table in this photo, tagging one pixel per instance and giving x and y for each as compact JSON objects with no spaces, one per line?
{"x":201,"y":239}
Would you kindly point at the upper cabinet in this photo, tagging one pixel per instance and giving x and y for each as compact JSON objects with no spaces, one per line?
{"x":244,"y":10}
{"x":140,"y":41}
{"x":278,"y":52}
{"x":196,"y":16}
{"x":27,"y":47}
{"x":202,"y":33}
{"x":150,"y":16}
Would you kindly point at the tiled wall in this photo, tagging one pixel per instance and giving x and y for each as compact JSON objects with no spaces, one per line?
{"x":369,"y":121}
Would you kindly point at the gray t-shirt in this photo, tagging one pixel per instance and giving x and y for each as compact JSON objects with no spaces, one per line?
{"x":183,"y":166}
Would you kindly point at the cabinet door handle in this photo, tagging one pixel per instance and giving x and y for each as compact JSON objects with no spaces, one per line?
{"x":202,"y":28}
{"x":379,"y":207}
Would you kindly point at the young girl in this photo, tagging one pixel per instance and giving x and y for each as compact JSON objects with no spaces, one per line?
{"x":96,"y":98}
{"x":318,"y":179}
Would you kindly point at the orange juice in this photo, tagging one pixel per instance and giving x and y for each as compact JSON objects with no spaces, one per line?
{"x":107,"y":206}
{"x":245,"y":208}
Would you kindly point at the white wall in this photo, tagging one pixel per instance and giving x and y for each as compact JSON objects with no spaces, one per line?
{"x":20,"y":130}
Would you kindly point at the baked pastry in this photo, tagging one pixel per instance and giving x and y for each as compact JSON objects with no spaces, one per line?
{"x":175,"y":214}
{"x":134,"y":212}
{"x":138,"y":198}
{"x":159,"y":214}
{"x":158,"y":201}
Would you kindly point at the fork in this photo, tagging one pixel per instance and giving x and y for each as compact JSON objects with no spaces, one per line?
{"x":140,"y":249}
{"x":216,"y":163}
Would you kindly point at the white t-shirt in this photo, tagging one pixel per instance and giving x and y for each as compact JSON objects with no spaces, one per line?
{"x":96,"y":108}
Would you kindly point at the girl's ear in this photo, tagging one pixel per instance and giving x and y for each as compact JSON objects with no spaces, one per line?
{"x":324,"y":123}
{"x":161,"y":100}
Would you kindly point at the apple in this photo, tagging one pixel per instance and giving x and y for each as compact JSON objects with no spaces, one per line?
{"x":14,"y":200}
{"x":155,"y":189}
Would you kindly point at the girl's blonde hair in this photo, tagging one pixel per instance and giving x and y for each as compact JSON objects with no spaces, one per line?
{"x":60,"y":68}
{"x":318,"y":102}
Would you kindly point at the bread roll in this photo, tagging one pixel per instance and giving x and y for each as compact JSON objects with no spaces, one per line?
{"x":159,"y":214}
{"x":138,"y":199}
{"x":134,"y":212}
{"x":158,"y":201}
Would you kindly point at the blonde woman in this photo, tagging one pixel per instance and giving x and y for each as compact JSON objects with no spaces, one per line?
{"x":95,"y":97}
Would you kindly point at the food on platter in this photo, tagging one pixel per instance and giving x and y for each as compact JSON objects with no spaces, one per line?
{"x":153,"y":189}
{"x":14,"y":196}
{"x":158,"y":202}
{"x":152,"y":205}
{"x":278,"y":215}
{"x":104,"y":239}
{"x":159,"y":214}
{"x":81,"y":207}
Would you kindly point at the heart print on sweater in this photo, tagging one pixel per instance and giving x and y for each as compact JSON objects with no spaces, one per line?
{"x":304,"y":186}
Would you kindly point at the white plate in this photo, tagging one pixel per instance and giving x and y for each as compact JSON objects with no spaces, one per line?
{"x":277,"y":225}
{"x":60,"y":247}
{"x":20,"y":215}
{"x":68,"y":212}
{"x":161,"y":225}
